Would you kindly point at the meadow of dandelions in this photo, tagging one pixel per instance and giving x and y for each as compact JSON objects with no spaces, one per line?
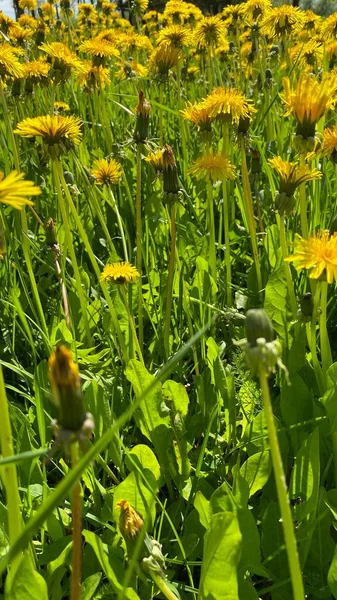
{"x":168,"y":262}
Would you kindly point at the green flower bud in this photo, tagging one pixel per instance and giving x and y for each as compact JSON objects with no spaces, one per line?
{"x":142,"y":110}
{"x":65,"y":380}
{"x":284,"y":204}
{"x":258,"y":325}
{"x":307,"y":306}
{"x":49,"y":229}
{"x":69,"y":177}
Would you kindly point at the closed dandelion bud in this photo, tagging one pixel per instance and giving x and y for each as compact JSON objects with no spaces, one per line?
{"x":333,"y":226}
{"x":171,"y":184}
{"x":284,"y":204}
{"x":306,"y":306}
{"x":65,"y":380}
{"x":143,"y":119}
{"x":258,"y":325}
{"x":51,"y":239}
{"x":69,"y":177}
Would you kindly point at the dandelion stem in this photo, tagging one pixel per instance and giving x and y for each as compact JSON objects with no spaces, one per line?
{"x":170,"y":281}
{"x":9,"y":476}
{"x":313,"y":346}
{"x":120,"y":224}
{"x":303,"y":206}
{"x":323,"y":332}
{"x":287,"y":272}
{"x":281,"y":486}
{"x":162,"y":586}
{"x":132,"y":324}
{"x":139,"y":259}
{"x":250,"y":213}
{"x":76,"y":508}
{"x":226,"y":227}
{"x":212,"y":252}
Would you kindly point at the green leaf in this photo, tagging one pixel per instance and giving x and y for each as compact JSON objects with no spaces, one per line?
{"x":305,"y":477}
{"x":275,"y":303}
{"x":202,"y":506}
{"x":90,"y":585}
{"x":332,"y":575}
{"x":111,"y":564}
{"x":256,"y":471}
{"x":272,"y":542}
{"x":294,"y":412}
{"x":222,"y":549}
{"x":144,"y":458}
{"x":27,"y":584}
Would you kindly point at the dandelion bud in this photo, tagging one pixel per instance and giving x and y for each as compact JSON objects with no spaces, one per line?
{"x":171,"y":182}
{"x":143,"y":119}
{"x":284,"y":203}
{"x":306,"y":306}
{"x":131,"y":525}
{"x":65,"y":380}
{"x":333,"y":226}
{"x":243,"y":125}
{"x":69,"y":177}
{"x":51,"y":238}
{"x":258,"y":325}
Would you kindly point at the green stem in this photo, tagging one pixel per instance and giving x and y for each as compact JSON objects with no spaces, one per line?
{"x":287,"y":271}
{"x":9,"y":476}
{"x":139,"y":259}
{"x":313,"y":346}
{"x":170,"y":282}
{"x":282,"y":494}
{"x":212,"y":250}
{"x":247,"y":194}
{"x":161,"y":102}
{"x":323,"y":332}
{"x":226,"y":228}
{"x":57,"y":170}
{"x":303,"y":206}
{"x":120,"y":224}
{"x":76,"y":509}
{"x":132,"y":324}
{"x":162,"y":586}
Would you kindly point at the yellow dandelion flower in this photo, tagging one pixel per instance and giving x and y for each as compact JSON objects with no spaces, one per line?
{"x":175,"y":35}
{"x":156,"y":160}
{"x":122,"y":272}
{"x":131,"y":42}
{"x":176,"y":11}
{"x":228,"y":103}
{"x":99,"y":48}
{"x":94,"y":77}
{"x":311,"y":21}
{"x":308,"y":101}
{"x":292,"y":174}
{"x":282,"y":20}
{"x":108,"y":172}
{"x":140,"y":6}
{"x":9,"y":63}
{"x":15,"y":191}
{"x":198,"y":115}
{"x":48,"y":9}
{"x":61,"y":107}
{"x":87,"y":9}
{"x":254,"y":10}
{"x":213,"y":166}
{"x":329,"y":27}
{"x":210,"y":31}
{"x":27,"y":22}
{"x":28,"y":4}
{"x":20,"y":35}
{"x":329,"y":147}
{"x":317,"y":254}
{"x":164,"y":58}
{"x":331,"y":53}
{"x":308,"y":54}
{"x":5,"y":22}
{"x":130,"y":522}
{"x":232,"y":14}
{"x":62,"y":59}
{"x":35,"y":70}
{"x":53,"y":129}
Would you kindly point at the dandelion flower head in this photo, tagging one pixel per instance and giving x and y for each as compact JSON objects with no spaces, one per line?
{"x":122,"y":272}
{"x":318,"y":254}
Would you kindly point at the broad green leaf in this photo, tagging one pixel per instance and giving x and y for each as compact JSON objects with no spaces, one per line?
{"x":256,"y":471}
{"x":27,"y":584}
{"x":202,"y":506}
{"x":145,"y":458}
{"x":222,"y":549}
{"x":90,"y":585}
{"x":275,"y":303}
{"x":247,"y":590}
{"x":272,"y":542}
{"x":138,"y":495}
{"x":110,"y":563}
{"x":332,"y":575}
{"x":305,"y":477}
{"x":176,"y":394}
{"x":321,"y":546}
